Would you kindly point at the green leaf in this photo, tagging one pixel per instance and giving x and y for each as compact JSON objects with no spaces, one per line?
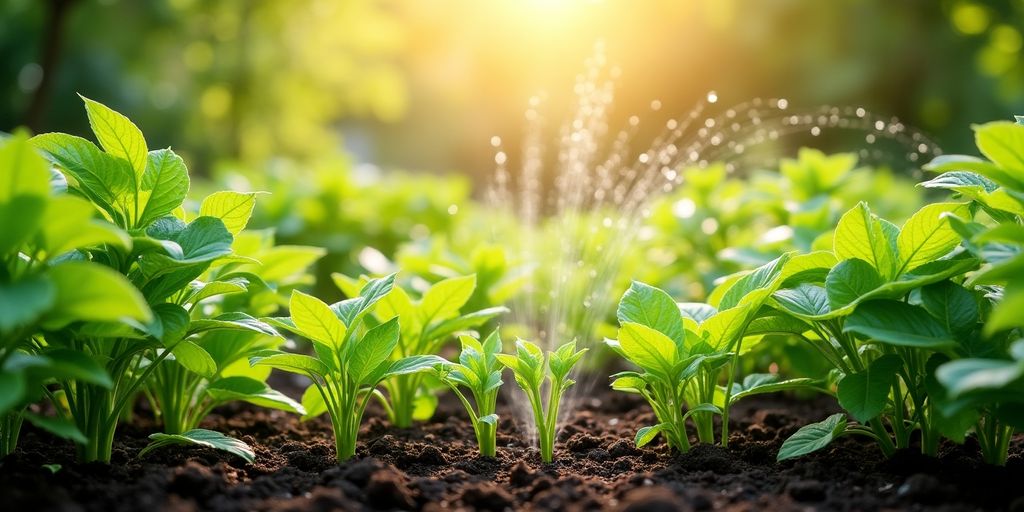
{"x":77,"y":365}
{"x":696,"y":311}
{"x":24,"y":189}
{"x":965,"y":376}
{"x":725,"y":328}
{"x":12,"y":390}
{"x":201,"y":437}
{"x":647,"y":348}
{"x":203,"y":240}
{"x":647,"y":434}
{"x":233,"y":208}
{"x":25,"y":301}
{"x":414,"y":364}
{"x":105,"y":180}
{"x":90,"y":292}
{"x":446,"y":298}
{"x":194,"y":358}
{"x":254,"y":392}
{"x":373,"y":349}
{"x":702,"y":408}
{"x":232,"y":321}
{"x":849,"y":281}
{"x":164,"y":186}
{"x":1002,"y":142}
{"x":761,"y":278}
{"x":313,"y":403}
{"x":118,"y":136}
{"x":954,"y":306}
{"x":68,"y":225}
{"x":59,"y":427}
{"x":865,"y":394}
{"x":805,"y":301}
{"x":862,"y":235}
{"x":773,"y":386}
{"x":316,"y":320}
{"x":295,"y":363}
{"x":927,"y":235}
{"x":813,"y":437}
{"x":646,"y":305}
{"x":217,"y":288}
{"x":170,"y":323}
{"x":898,"y":323}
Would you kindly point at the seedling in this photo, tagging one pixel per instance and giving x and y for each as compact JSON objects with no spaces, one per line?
{"x":531,"y":369}
{"x":426,"y":324}
{"x":682,"y":349}
{"x":478,"y":369}
{"x":351,"y":359}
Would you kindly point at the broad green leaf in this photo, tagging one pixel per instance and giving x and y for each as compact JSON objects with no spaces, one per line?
{"x":202,"y":240}
{"x":313,"y":403}
{"x":295,"y":363}
{"x":964,"y":376}
{"x":232,"y":208}
{"x":647,"y":348}
{"x":850,"y":280}
{"x":898,"y":323}
{"x":228,"y":286}
{"x":194,"y":358}
{"x":862,"y":235}
{"x":170,"y":323}
{"x":232,"y":321}
{"x":201,"y":437}
{"x":723,"y":330}
{"x":702,"y":408}
{"x":947,"y":163}
{"x":446,"y":298}
{"x":91,"y":292}
{"x":283,"y":262}
{"x":107,"y":181}
{"x":927,"y":235}
{"x":1007,"y":313}
{"x":952,"y":305}
{"x":12,"y":390}
{"x":164,"y":186}
{"x":864,"y":394}
{"x":315,"y":319}
{"x":807,"y":268}
{"x":779,"y":323}
{"x":253,"y":391}
{"x":68,"y":225}
{"x":647,"y":434}
{"x":813,"y":437}
{"x":118,"y":136}
{"x":25,"y":301}
{"x":24,"y":189}
{"x":696,"y":311}
{"x":805,"y":301}
{"x":414,"y":364}
{"x":59,"y":427}
{"x":1002,"y":142}
{"x":763,"y":277}
{"x":372,"y":349}
{"x":646,"y":305}
{"x":773,"y":386}
{"x":629,"y":383}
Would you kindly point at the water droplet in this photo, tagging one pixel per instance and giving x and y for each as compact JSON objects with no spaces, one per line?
{"x":495,"y":141}
{"x":453,"y":209}
{"x":712,"y":97}
{"x":782,"y":103}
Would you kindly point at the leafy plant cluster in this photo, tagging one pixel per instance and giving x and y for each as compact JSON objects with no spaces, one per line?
{"x":113,"y":289}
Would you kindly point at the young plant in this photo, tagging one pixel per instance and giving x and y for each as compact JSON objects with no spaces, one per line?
{"x":426,"y":324}
{"x":882,"y":309}
{"x":45,"y":287}
{"x":531,"y":369}
{"x":682,"y":350}
{"x":140,"y":192}
{"x":478,"y":369}
{"x":351,"y":359}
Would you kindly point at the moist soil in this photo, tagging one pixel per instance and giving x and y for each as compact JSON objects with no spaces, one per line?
{"x":435,"y":466}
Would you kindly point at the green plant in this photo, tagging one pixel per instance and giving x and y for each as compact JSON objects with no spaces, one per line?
{"x":141,"y":192}
{"x":478,"y":369}
{"x":987,"y":386}
{"x":425,"y":325}
{"x":531,"y":368}
{"x":682,"y":350}
{"x":46,"y":286}
{"x":351,"y":360}
{"x":883,"y":310}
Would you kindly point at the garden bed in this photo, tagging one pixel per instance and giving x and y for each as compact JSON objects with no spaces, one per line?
{"x":435,"y":466}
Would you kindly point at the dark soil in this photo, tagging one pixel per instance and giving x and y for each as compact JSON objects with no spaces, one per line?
{"x":435,"y":467}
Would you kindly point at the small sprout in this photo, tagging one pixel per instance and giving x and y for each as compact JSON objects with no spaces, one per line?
{"x":530,"y":370}
{"x":478,"y":369}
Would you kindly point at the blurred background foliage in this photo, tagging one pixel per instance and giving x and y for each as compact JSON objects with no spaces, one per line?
{"x":423,"y":84}
{"x":369,"y":120}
